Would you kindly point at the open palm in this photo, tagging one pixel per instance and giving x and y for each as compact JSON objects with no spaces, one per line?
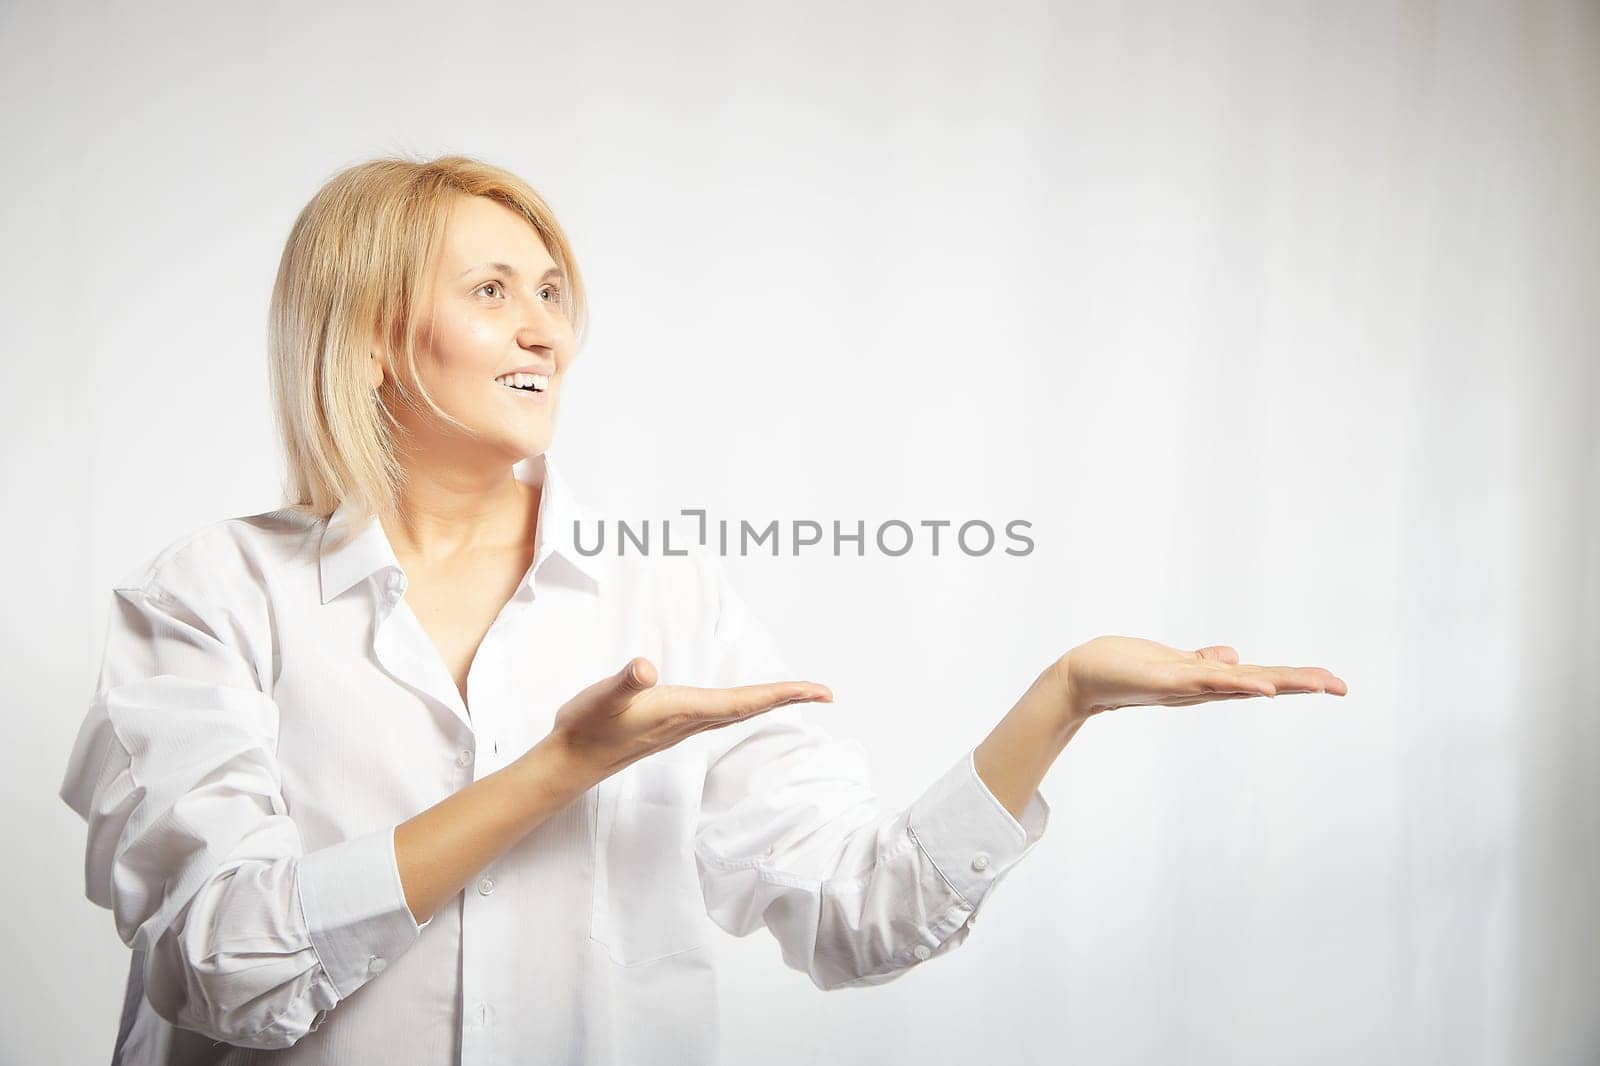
{"x":626,"y":716}
{"x":1111,"y":671}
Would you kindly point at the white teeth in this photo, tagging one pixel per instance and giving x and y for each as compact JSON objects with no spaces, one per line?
{"x":540,"y":382}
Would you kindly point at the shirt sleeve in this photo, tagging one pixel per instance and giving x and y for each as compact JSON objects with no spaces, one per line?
{"x":792,"y":836}
{"x":246,"y":938}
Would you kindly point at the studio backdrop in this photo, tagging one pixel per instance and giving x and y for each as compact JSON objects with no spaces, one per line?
{"x":1275,"y":324}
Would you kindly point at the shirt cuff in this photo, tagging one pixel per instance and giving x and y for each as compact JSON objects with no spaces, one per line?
{"x":969,"y":835}
{"x":355,"y":908}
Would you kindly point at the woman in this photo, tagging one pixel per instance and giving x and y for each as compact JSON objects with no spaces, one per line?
{"x":402,"y":733}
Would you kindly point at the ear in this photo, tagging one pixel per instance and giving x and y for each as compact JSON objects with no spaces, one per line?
{"x":377,"y":360}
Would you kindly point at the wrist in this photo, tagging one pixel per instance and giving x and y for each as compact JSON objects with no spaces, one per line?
{"x":552,"y":765}
{"x":1056,"y":680}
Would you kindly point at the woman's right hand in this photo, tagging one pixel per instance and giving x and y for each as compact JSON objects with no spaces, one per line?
{"x":622,"y":718}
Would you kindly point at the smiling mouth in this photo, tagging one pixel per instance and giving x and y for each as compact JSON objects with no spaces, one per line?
{"x":525,"y":382}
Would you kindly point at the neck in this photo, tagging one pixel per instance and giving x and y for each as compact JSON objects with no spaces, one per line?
{"x":448,"y":509}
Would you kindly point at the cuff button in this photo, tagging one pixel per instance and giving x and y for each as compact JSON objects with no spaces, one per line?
{"x":921,"y":951}
{"x":377,"y":964}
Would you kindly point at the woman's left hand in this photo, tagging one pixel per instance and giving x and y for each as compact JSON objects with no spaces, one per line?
{"x":1110,"y":672}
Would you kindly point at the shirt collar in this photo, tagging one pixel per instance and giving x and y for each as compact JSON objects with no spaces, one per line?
{"x":369,"y":550}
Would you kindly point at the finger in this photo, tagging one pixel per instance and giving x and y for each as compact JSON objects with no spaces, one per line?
{"x":743,"y":701}
{"x":1212,"y":677}
{"x":1184,"y":702}
{"x":637,"y":674}
{"x":1303,"y":679}
{"x":1332,"y":684}
{"x":717,"y":721}
{"x":1211,"y":696}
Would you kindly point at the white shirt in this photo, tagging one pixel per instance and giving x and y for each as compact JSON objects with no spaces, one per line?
{"x":268,"y":710}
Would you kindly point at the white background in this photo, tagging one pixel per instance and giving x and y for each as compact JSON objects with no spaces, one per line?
{"x":1278,"y":322}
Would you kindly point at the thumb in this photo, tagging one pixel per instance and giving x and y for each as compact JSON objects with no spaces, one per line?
{"x":637,"y":674}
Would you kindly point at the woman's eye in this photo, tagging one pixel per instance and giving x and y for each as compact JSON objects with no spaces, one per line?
{"x":554,"y":291}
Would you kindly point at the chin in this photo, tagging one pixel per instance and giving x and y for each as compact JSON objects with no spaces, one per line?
{"x":533,"y":443}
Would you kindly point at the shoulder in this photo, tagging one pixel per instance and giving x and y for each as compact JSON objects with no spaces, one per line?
{"x":225,"y":554}
{"x":215,"y":587}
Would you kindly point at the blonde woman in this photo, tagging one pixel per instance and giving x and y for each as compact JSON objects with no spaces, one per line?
{"x":396,"y":774}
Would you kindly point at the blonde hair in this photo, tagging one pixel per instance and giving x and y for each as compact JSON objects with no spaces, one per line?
{"x":352,"y":271}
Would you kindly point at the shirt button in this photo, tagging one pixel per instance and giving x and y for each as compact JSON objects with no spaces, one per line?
{"x":485,"y":886}
{"x":921,"y":951}
{"x":464,"y":758}
{"x":980,"y":863}
{"x":394,"y":582}
{"x":377,"y":964}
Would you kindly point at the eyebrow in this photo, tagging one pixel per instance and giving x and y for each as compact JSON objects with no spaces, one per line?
{"x":507,"y":268}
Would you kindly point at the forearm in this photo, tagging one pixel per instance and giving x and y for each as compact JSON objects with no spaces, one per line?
{"x":1014,"y":757}
{"x":445,"y":846}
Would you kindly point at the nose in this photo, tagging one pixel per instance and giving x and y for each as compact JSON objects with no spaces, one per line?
{"x":544,"y":327}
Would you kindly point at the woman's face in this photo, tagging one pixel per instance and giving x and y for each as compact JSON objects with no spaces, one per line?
{"x":496,"y":308}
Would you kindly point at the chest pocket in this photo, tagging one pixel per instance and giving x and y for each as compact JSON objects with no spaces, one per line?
{"x":647,"y":902}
